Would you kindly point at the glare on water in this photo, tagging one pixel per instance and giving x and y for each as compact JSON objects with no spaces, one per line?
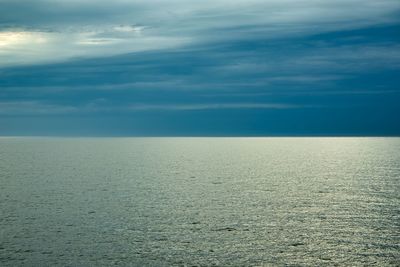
{"x":199,"y":201}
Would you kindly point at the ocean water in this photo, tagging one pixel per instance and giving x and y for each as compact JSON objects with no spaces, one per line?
{"x":200,"y":201}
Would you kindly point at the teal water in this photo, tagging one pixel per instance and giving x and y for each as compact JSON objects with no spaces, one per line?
{"x":200,"y":201}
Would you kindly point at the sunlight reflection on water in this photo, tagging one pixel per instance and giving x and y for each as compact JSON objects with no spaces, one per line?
{"x":199,"y":201}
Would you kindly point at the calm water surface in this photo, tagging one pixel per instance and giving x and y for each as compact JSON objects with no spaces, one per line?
{"x":200,"y":201}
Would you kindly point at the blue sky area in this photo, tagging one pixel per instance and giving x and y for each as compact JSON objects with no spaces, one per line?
{"x":199,"y":68}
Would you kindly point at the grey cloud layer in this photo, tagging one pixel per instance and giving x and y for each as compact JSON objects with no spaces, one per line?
{"x":208,"y":67}
{"x":215,"y":12}
{"x":36,"y":31}
{"x":35,"y":108}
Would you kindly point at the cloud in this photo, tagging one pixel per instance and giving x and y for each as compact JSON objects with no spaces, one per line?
{"x":59,"y":30}
{"x":168,"y":62}
{"x":183,"y":107}
{"x":33,"y":108}
{"x":22,"y":47}
{"x":37,"y":108}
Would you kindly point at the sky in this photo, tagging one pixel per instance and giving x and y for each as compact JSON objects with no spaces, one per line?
{"x":200,"y":68}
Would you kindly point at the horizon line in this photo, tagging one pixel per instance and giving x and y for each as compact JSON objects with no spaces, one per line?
{"x":199,"y":136}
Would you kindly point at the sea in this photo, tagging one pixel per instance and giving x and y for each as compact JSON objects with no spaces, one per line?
{"x":199,"y":201}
